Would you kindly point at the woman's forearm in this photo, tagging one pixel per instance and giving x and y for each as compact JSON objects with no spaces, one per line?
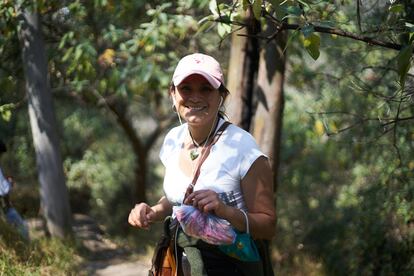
{"x":162,"y":209}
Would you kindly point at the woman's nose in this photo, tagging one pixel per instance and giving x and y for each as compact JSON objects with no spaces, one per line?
{"x":195,"y":95}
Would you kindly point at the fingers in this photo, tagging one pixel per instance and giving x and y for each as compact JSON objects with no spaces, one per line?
{"x":204,"y":200}
{"x":141,"y":216}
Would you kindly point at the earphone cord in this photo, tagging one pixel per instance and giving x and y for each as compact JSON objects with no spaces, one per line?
{"x":179,"y":118}
{"x":213,"y":126}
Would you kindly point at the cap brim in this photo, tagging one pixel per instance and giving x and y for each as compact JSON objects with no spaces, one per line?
{"x":213,"y":81}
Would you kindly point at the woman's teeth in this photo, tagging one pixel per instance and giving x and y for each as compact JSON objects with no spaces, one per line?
{"x":195,"y":108}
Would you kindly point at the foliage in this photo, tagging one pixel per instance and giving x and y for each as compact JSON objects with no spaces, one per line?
{"x":385,"y":24}
{"x":343,"y":202}
{"x":347,"y":171}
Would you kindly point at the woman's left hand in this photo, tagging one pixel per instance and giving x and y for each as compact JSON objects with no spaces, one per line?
{"x":206,"y":201}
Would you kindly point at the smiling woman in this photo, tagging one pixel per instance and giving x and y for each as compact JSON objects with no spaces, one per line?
{"x":233,"y":176}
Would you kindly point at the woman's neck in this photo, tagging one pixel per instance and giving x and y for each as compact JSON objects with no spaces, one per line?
{"x":200,"y":134}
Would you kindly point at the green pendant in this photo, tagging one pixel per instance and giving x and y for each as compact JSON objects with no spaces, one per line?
{"x":194,"y":154}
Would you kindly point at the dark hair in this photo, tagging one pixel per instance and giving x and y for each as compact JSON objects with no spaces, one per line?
{"x":3,"y":147}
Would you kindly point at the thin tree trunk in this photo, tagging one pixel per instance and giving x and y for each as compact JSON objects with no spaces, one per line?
{"x":141,"y":177}
{"x":119,"y":109}
{"x":244,"y":57}
{"x":140,"y":146}
{"x":268,"y":117}
{"x":53,"y":191}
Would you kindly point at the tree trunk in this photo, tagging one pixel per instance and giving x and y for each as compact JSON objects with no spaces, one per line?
{"x":140,"y":146}
{"x":270,"y":99}
{"x":53,"y":192}
{"x":244,"y":57}
{"x":119,"y":109}
{"x":141,"y":177}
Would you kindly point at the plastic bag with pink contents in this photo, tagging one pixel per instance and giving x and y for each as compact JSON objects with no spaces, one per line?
{"x":205,"y":226}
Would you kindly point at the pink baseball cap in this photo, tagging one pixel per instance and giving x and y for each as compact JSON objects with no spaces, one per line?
{"x":200,"y":64}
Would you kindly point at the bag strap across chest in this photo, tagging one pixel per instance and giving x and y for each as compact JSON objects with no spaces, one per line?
{"x":204,"y":156}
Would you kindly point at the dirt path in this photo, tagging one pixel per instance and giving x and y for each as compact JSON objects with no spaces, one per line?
{"x":105,"y":257}
{"x":122,"y":269}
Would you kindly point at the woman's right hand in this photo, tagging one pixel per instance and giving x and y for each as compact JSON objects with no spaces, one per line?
{"x":141,"y":216}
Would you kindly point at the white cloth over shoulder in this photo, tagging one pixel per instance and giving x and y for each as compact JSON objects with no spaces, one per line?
{"x":4,"y":185}
{"x":229,"y":161}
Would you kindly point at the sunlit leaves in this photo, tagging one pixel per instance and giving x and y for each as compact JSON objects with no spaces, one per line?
{"x":221,"y":13}
{"x":257,"y":8}
{"x":319,"y":128}
{"x":311,"y":41}
{"x":6,"y":111}
{"x":223,"y":29}
{"x":107,"y":58}
{"x":80,"y":62}
{"x":127,"y":59}
{"x":396,"y":8}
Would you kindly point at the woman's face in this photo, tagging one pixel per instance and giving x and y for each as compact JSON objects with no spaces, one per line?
{"x":196,"y":100}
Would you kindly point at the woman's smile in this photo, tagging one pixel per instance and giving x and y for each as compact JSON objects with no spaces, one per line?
{"x":196,"y":108}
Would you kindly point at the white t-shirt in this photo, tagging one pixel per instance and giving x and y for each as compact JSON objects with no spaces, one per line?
{"x":4,"y":185}
{"x":228,"y":162}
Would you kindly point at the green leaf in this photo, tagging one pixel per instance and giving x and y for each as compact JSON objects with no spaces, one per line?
{"x":307,"y":30}
{"x":312,"y":44}
{"x":276,"y":5}
{"x":223,"y":29}
{"x":78,"y":52}
{"x":67,"y":54}
{"x":409,"y":26}
{"x":205,"y":19}
{"x":213,"y":7}
{"x":404,"y":61}
{"x":6,"y":115}
{"x":206,"y":25}
{"x":293,"y":10}
{"x":5,"y":111}
{"x":304,"y":3}
{"x":396,"y":8}
{"x":257,"y":8}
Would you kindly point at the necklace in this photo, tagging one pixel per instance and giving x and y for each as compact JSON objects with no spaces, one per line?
{"x":194,"y":154}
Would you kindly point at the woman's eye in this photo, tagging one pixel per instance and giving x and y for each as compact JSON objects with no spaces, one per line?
{"x":185,"y":88}
{"x":207,"y":89}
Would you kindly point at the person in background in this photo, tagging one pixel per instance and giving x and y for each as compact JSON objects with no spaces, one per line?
{"x":235,"y":179}
{"x":11,"y":214}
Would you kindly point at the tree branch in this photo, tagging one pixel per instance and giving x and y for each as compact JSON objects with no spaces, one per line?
{"x":369,"y":40}
{"x":394,"y":143}
{"x":326,"y":30}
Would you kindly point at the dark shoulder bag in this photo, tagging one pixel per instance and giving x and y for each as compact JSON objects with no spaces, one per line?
{"x":162,"y":263}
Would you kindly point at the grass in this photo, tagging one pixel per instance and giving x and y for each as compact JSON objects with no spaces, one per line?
{"x":44,"y":256}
